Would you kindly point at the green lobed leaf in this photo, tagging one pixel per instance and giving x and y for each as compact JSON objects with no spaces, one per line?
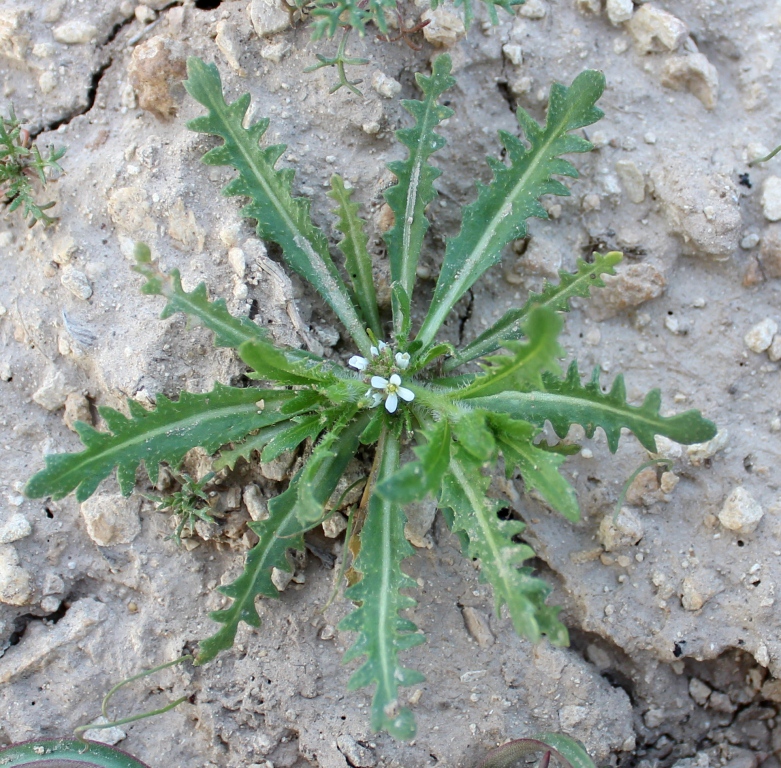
{"x":382,"y":633}
{"x":474,"y":436}
{"x":166,"y":434}
{"x":245,"y":448}
{"x":491,"y":5}
{"x":286,"y":365}
{"x":416,"y":479}
{"x":279,"y":532}
{"x":66,"y":752}
{"x":464,"y":492}
{"x":500,"y":212}
{"x":538,"y":467}
{"x":229,"y":331}
{"x":567,"y":401}
{"x":527,"y":361}
{"x":554,"y":296}
{"x":281,"y":218}
{"x":357,"y":259}
{"x":414,"y":189}
{"x":292,"y":435}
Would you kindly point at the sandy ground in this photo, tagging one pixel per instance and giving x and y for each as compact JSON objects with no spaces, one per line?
{"x":675,"y":647}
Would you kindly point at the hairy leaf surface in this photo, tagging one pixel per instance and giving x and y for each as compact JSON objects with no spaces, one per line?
{"x":382,"y":633}
{"x":539,"y":468}
{"x":500,"y":212}
{"x":285,"y":365}
{"x":357,"y":259}
{"x":418,"y":478}
{"x":282,"y":218}
{"x":164,"y":434}
{"x":553,"y":296}
{"x":567,"y":401}
{"x":414,"y":190}
{"x":464,"y":492}
{"x":229,"y":331}
{"x":524,"y":366}
{"x":281,"y":531}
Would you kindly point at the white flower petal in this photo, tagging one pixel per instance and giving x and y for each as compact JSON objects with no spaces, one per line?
{"x":379,"y":383}
{"x":405,"y":394}
{"x":402,"y":360}
{"x":356,"y":361}
{"x":376,"y":399}
{"x":391,"y":403}
{"x":374,"y":351}
{"x":395,"y":379}
{"x":382,"y":345}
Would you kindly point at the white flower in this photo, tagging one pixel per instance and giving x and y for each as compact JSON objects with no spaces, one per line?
{"x":358,"y":362}
{"x":381,"y":346}
{"x":402,"y":360}
{"x":376,"y":398}
{"x":393,"y":391}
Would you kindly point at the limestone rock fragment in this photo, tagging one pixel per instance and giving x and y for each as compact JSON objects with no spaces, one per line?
{"x":15,"y":581}
{"x":589,"y":6}
{"x":156,"y":70}
{"x":444,"y":29}
{"x":631,"y":287}
{"x":700,"y":208}
{"x":385,"y":86}
{"x":188,"y":236}
{"x":77,"y":408}
{"x":75,"y":32}
{"x":760,"y":337}
{"x":76,"y":282}
{"x":698,"y":588}
{"x":770,"y":251}
{"x":632,"y":180}
{"x":695,"y":74}
{"x":741,"y":511}
{"x":771,"y":198}
{"x":626,"y":531}
{"x":112,"y":519}
{"x":268,"y":17}
{"x":420,"y":517}
{"x":55,"y":389}
{"x":357,"y":755}
{"x":227,"y":40}
{"x":699,"y":691}
{"x":15,"y":528}
{"x":619,"y":11}
{"x":654,"y":29}
{"x":128,"y":208}
{"x":477,"y":625}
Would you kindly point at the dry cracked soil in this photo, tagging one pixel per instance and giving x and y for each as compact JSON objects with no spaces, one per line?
{"x":675,"y":657}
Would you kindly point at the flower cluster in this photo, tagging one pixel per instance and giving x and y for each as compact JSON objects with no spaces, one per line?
{"x":388,"y":389}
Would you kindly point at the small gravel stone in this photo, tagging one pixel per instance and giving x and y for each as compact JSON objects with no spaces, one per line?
{"x":774,"y":350}
{"x":75,"y":32}
{"x":227,"y":40}
{"x":625,"y":532}
{"x":255,"y":503}
{"x":77,"y":408}
{"x":770,"y":251}
{"x":358,"y":756}
{"x":156,"y":70}
{"x":275,"y":51}
{"x":534,"y":9}
{"x":699,"y":452}
{"x":593,"y":7}
{"x":691,"y":599}
{"x":281,"y":579}
{"x":631,"y":287}
{"x":632,"y":180}
{"x":699,"y":691}
{"x":477,"y":626}
{"x":237,"y":261}
{"x":513,"y":53}
{"x":656,"y":30}
{"x":112,"y":519}
{"x":619,"y":11}
{"x":771,"y":198}
{"x":76,"y":282}
{"x":695,"y":74}
{"x":760,"y":337}
{"x":15,"y":581}
{"x":741,"y":512}
{"x":268,"y":17}
{"x":420,"y":518}
{"x":570,"y":716}
{"x":54,"y":391}
{"x":15,"y":528}
{"x":334,"y":525}
{"x":721,"y":702}
{"x":749,"y":241}
{"x":110,"y":736}
{"x":385,"y":86}
{"x":444,"y":29}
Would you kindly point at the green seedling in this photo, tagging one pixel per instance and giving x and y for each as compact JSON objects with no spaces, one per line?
{"x":188,"y":505}
{"x":21,"y":162}
{"x":402,"y":387}
{"x":565,"y":751}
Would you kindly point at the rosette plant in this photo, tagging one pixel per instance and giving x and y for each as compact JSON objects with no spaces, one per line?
{"x":434,"y":425}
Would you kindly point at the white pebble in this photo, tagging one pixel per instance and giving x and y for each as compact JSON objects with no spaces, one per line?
{"x":75,"y":32}
{"x":774,"y":350}
{"x":760,"y":337}
{"x":741,"y":512}
{"x":17,"y":527}
{"x":385,"y":86}
{"x":76,"y":282}
{"x":15,"y":581}
{"x":771,"y":198}
{"x":749,"y":241}
{"x":619,"y":11}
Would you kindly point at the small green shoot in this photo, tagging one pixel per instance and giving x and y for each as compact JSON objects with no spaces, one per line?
{"x":391,"y":395}
{"x":188,"y":505}
{"x":21,"y":162}
{"x":565,"y":751}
